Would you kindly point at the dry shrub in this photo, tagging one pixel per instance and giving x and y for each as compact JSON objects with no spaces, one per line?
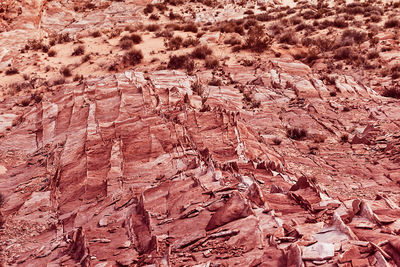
{"x":201,"y":52}
{"x":66,"y":72}
{"x":135,"y":38}
{"x":349,"y":36}
{"x":392,"y":23}
{"x":148,"y":9}
{"x":153,"y":27}
{"x":190,"y":27}
{"x":215,"y":82}
{"x":296,"y":133}
{"x":257,"y":40}
{"x":211,"y":62}
{"x":181,"y":62}
{"x":233,"y":41}
{"x":190,"y":42}
{"x":133,"y":57}
{"x":174,"y":43}
{"x":96,"y":34}
{"x":393,"y":92}
{"x":343,"y":53}
{"x":340,"y":23}
{"x":154,"y":17}
{"x":78,"y":51}
{"x":126,"y":44}
{"x":288,"y":37}
{"x":52,"y":53}
{"x":12,"y":71}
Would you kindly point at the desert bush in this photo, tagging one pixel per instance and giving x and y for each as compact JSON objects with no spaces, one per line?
{"x":277,"y":141}
{"x":126,"y":44}
{"x":148,"y":9}
{"x":288,"y":37}
{"x":154,"y":17}
{"x":51,"y":53}
{"x":173,"y":26}
{"x":265,"y":17}
{"x":190,"y":27}
{"x":343,"y":53}
{"x":173,"y":16}
{"x":340,"y":23}
{"x":181,"y":62}
{"x":161,"y":6}
{"x":296,"y":20}
{"x":296,"y":133}
{"x":190,"y":42}
{"x":132,"y":57}
{"x":86,"y":58}
{"x":96,"y":34}
{"x":66,"y":72}
{"x":59,"y":81}
{"x":354,"y":9}
{"x":78,"y":51}
{"x":59,"y":38}
{"x":12,"y":71}
{"x":325,"y":24}
{"x":376,"y":18}
{"x":153,"y":27}
{"x":249,"y":23}
{"x":392,"y":23}
{"x":201,"y":52}
{"x":211,"y":62}
{"x":165,"y":33}
{"x":393,"y":92}
{"x":353,"y":35}
{"x":373,"y":54}
{"x":257,"y":40}
{"x":174,"y":43}
{"x":2,"y":200}
{"x":232,"y":41}
{"x":215,"y":82}
{"x":344,"y":138}
{"x":275,"y":28}
{"x":135,"y":38}
{"x":304,"y":26}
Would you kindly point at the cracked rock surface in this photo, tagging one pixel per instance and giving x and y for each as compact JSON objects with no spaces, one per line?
{"x":136,"y":168}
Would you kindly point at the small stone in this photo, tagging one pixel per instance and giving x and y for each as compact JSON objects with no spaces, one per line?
{"x":207,"y":253}
{"x":126,"y":244}
{"x":352,"y":253}
{"x":319,"y":251}
{"x":103,"y":222}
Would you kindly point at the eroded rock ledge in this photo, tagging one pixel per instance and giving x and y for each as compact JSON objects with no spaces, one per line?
{"x":137,"y":168}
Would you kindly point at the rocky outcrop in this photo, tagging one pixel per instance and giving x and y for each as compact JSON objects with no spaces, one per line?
{"x":138,"y":169}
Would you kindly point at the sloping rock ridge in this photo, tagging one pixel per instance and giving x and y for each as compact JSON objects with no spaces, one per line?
{"x":140,"y":169}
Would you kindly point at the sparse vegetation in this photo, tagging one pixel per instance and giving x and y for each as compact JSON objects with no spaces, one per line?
{"x":392,"y":91}
{"x":66,"y":72}
{"x":201,"y":52}
{"x":257,"y":40}
{"x":52,"y":53}
{"x":296,"y":133}
{"x":12,"y":71}
{"x":211,"y":62}
{"x":78,"y":51}
{"x":392,"y":23}
{"x":174,"y":43}
{"x":181,"y":62}
{"x":132,"y":57}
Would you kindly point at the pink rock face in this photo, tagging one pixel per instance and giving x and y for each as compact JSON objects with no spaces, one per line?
{"x":133,"y":171}
{"x":236,"y":208}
